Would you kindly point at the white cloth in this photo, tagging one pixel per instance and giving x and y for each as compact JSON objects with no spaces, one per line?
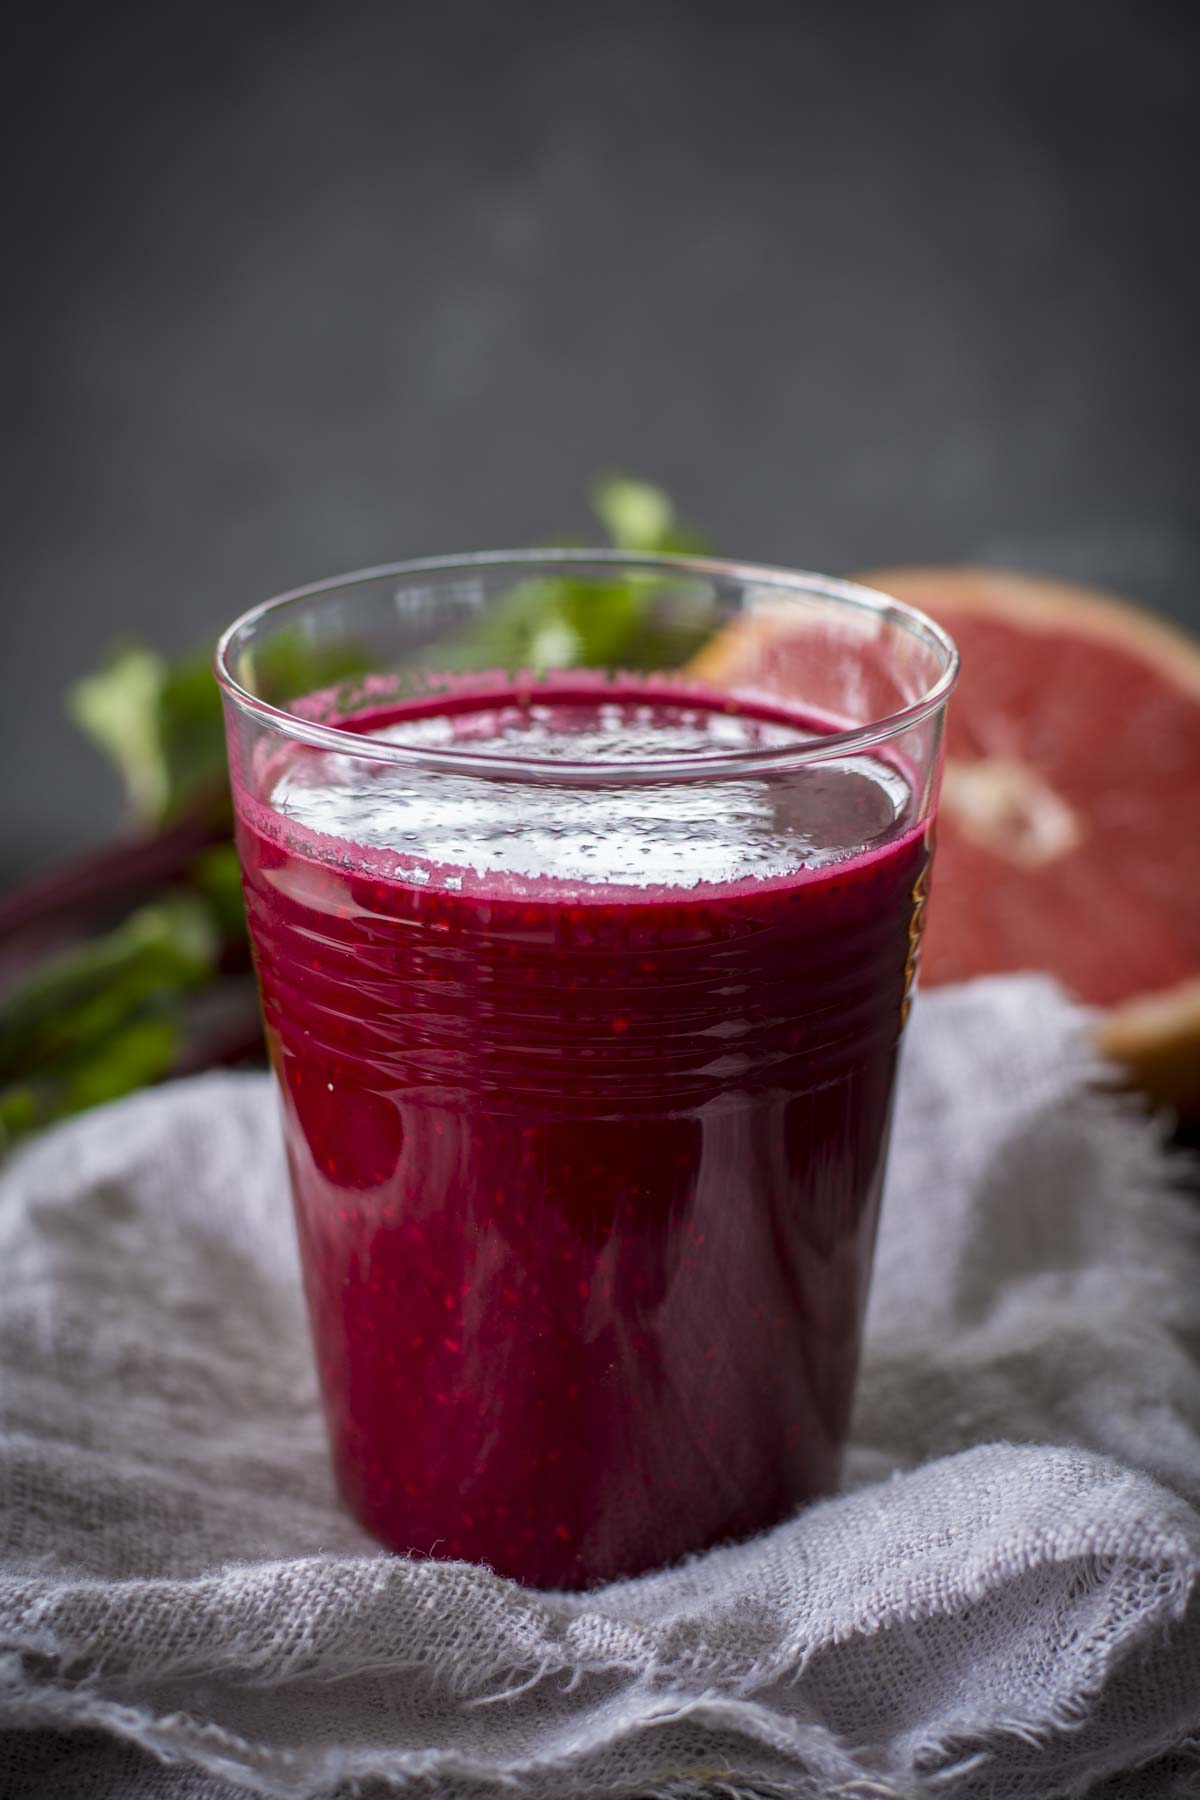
{"x":1000,"y":1605}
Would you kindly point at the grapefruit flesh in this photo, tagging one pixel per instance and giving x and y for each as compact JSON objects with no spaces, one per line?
{"x":1069,"y":826}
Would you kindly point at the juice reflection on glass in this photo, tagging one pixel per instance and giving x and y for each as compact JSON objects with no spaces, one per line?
{"x":584,"y":990}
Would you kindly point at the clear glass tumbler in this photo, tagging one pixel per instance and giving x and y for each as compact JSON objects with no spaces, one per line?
{"x":585,"y":893}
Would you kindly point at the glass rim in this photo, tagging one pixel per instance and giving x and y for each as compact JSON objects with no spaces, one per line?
{"x":799,"y":582}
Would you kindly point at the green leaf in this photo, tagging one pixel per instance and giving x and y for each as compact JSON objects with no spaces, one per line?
{"x":191,"y":731}
{"x":219,"y":877}
{"x":104,"y":1019}
{"x":567,"y":621}
{"x":518,"y":631}
{"x":289,"y":666}
{"x":636,"y":514}
{"x":159,"y":723}
{"x":118,"y":708}
{"x":162,"y":725}
{"x":108,"y":1016}
{"x":19,"y":1113}
{"x":77,"y":999}
{"x":606,"y":616}
{"x":141,"y":1052}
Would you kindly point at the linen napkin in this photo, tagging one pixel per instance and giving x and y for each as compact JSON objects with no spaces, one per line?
{"x":1002,"y":1604}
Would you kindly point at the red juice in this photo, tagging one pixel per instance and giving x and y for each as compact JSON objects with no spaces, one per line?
{"x":586,"y":1102}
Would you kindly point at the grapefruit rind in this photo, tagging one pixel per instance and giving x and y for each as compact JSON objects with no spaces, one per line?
{"x":1040,"y":603}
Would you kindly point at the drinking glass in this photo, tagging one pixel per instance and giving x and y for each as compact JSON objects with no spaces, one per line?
{"x":585,"y":891}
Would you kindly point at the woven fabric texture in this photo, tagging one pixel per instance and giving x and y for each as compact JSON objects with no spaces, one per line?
{"x":1000,"y":1606}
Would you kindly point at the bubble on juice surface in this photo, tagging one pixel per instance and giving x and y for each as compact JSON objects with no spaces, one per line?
{"x":668,"y":833}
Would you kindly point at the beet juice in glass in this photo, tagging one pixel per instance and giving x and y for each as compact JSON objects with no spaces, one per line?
{"x":585,"y":893}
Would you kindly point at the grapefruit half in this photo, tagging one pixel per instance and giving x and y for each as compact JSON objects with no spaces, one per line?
{"x":1069,"y":827}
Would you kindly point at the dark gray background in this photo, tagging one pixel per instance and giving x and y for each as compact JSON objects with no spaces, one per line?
{"x":290,"y":292}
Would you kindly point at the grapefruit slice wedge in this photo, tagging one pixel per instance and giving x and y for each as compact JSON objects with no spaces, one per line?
{"x":1069,"y":827}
